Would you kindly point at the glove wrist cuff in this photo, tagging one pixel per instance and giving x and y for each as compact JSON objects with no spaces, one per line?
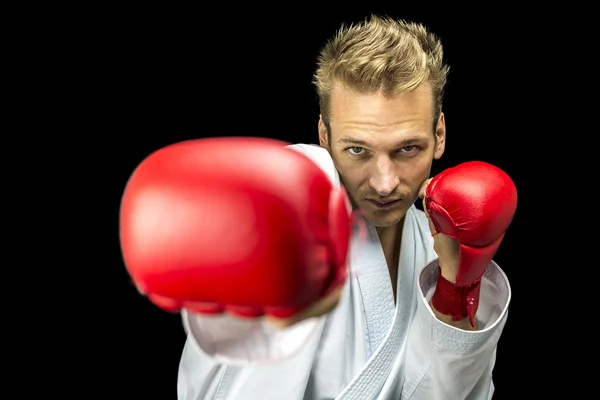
{"x":459,"y":302}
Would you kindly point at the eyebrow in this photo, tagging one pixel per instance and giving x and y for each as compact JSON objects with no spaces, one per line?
{"x":405,"y":142}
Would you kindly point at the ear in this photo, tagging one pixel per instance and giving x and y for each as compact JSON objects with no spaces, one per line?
{"x":440,"y":136}
{"x":323,"y":133}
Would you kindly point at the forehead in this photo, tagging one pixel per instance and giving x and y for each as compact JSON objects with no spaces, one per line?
{"x":367,"y":114}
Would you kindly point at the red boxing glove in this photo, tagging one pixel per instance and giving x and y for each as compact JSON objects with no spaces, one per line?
{"x":240,"y":225}
{"x":473,"y":203}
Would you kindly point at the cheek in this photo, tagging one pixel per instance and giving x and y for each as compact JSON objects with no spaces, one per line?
{"x":354,"y":178}
{"x":416,"y":171}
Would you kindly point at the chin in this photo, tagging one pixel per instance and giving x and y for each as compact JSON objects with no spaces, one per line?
{"x":383,"y":221}
{"x":383,"y":218}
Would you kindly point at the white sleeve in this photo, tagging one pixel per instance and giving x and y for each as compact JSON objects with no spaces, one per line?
{"x":236,"y":341}
{"x":450,"y":363}
{"x":321,"y":157}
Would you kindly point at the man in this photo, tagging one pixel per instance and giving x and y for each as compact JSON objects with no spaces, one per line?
{"x":398,"y":326}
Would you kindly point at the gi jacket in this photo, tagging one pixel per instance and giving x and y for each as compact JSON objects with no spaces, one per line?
{"x":367,"y":348}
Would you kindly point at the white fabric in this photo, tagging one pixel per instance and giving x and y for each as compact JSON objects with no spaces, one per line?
{"x":367,"y":348}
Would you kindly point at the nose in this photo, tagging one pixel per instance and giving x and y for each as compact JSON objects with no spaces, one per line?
{"x":384,"y":178}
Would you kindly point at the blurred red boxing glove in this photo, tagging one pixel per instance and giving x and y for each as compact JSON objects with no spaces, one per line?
{"x":473,"y":203}
{"x":239,"y":225}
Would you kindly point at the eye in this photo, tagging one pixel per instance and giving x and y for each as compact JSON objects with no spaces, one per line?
{"x":355,"y":150}
{"x":409,"y":149}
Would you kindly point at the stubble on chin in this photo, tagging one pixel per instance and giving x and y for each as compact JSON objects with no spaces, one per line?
{"x":382,"y":222}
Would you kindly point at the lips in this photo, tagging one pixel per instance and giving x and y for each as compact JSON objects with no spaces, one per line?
{"x":383,"y":203}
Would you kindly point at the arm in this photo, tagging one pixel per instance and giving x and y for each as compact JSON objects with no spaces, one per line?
{"x":234,"y":341}
{"x":447,"y":362}
{"x":464,"y":295}
{"x":243,"y":246}
{"x":469,"y":208}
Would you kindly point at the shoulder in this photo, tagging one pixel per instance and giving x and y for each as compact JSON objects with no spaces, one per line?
{"x":320,"y":156}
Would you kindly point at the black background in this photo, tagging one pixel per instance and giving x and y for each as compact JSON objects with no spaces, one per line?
{"x":158,"y":76}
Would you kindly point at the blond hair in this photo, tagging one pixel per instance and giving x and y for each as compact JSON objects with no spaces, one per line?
{"x":381,"y":54}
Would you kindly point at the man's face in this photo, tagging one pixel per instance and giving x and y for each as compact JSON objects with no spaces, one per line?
{"x":383,"y":149}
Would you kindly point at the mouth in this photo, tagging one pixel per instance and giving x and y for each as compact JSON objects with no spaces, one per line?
{"x":383,"y":204}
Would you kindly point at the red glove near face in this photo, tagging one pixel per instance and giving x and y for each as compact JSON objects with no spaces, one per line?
{"x":238,"y":225}
{"x":473,"y":203}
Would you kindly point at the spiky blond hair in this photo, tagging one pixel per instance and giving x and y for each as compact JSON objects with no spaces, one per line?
{"x":381,"y":54}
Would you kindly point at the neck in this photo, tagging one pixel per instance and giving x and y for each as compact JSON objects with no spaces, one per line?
{"x":390,"y":238}
{"x":390,"y":234}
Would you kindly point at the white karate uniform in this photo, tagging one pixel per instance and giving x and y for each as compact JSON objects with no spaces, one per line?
{"x":367,"y":348}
